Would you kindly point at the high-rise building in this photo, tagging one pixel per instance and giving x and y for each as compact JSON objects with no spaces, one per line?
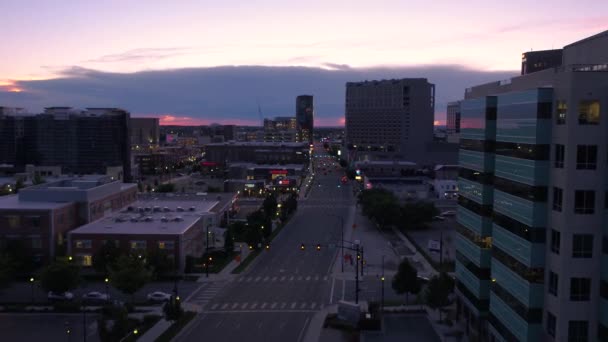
{"x":79,"y":141}
{"x":391,"y":116}
{"x":534,"y":61}
{"x":305,"y":118}
{"x":280,"y":129}
{"x":453,"y":121}
{"x":145,"y":133}
{"x":532,"y":243}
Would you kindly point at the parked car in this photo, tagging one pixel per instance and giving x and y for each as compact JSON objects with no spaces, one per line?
{"x":53,"y":296}
{"x":95,"y":297}
{"x":438,"y":218}
{"x":159,"y":297}
{"x":448,"y":213}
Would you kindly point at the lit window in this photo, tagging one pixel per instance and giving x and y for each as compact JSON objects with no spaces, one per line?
{"x":83,"y":243}
{"x":138,"y":244}
{"x":13,"y":221}
{"x":86,"y":260}
{"x":589,"y":112}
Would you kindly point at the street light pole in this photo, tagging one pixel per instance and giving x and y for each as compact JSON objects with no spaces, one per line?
{"x":362,"y":261}
{"x":357,"y":277}
{"x":342,"y":243}
{"x":382,"y":283}
{"x":84,"y":323}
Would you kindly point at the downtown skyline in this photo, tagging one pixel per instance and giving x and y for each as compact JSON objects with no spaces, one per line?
{"x":52,"y":63}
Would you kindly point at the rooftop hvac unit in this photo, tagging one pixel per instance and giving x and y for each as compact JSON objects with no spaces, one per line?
{"x":166,"y":209}
{"x":156,"y":208}
{"x":164,"y":219}
{"x":192,"y":209}
{"x":133,"y":219}
{"x":178,"y":219}
{"x":148,"y":219}
{"x":180,"y":209}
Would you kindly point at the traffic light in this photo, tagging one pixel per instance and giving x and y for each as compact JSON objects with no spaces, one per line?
{"x":302,"y":247}
{"x":318,"y":246}
{"x":358,"y":256}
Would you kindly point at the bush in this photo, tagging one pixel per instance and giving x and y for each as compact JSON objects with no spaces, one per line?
{"x":67,"y":306}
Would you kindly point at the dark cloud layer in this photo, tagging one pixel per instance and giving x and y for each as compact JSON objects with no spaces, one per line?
{"x":229,"y":92}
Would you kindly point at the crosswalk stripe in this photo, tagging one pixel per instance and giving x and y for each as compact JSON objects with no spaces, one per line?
{"x":274,"y":305}
{"x":224,"y":306}
{"x":291,"y":278}
{"x":283,"y":305}
{"x":214,"y":306}
{"x":307,"y":278}
{"x":258,"y":279}
{"x":244,"y":306}
{"x":253,"y":306}
{"x":274,"y":278}
{"x":316,"y":278}
{"x":299,"y":277}
{"x":312,"y":306}
{"x":325,"y":278}
{"x":303,"y":306}
{"x":282,"y":278}
{"x":293,"y":305}
{"x":241,"y":279}
{"x":235,"y":305}
{"x":266,"y":278}
{"x":249,"y":278}
{"x":263,"y":305}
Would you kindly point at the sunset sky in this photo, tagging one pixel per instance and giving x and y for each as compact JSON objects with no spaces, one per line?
{"x":44,"y":41}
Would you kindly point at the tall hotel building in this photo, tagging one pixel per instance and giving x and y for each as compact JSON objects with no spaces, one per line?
{"x":390,"y":118}
{"x":532,"y":242}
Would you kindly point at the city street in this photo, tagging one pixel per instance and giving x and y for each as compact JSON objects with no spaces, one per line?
{"x":276,"y":297}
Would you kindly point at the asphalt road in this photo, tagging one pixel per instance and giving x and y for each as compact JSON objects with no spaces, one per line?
{"x":277,"y":296}
{"x":46,"y":327}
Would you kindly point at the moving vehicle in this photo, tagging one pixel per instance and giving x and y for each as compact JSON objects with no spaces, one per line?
{"x":159,"y":297}
{"x":56,"y":296}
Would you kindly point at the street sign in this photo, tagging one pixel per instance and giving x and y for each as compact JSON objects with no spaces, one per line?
{"x":434,"y":246}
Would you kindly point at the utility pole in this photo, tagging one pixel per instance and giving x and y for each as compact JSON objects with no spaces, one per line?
{"x":441,"y":251}
{"x":357,"y":277}
{"x":362,"y":261}
{"x":342,"y":243}
{"x":382,"y":283}
{"x":207,"y":252}
{"x":84,"y":323}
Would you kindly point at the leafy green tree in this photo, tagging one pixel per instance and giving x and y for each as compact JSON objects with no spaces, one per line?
{"x":160,"y":262}
{"x":260,"y":222}
{"x":60,"y":277}
{"x":173,"y":309}
{"x":7,"y":270}
{"x":417,"y":214}
{"x":19,"y":254}
{"x":380,"y":206}
{"x":106,"y":256}
{"x":129,"y":274}
{"x":228,"y":243}
{"x":167,"y":187}
{"x":119,"y":327}
{"x":148,"y":188}
{"x":37,"y":179}
{"x":406,"y":280}
{"x":140,"y":186}
{"x":270,"y":206}
{"x":438,"y":291}
{"x":19,"y":185}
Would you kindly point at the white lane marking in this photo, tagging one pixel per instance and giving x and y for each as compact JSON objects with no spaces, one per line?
{"x":274,"y":305}
{"x":214,"y":306}
{"x":235,"y":305}
{"x":303,"y":306}
{"x":301,"y":334}
{"x":224,"y":306}
{"x":258,"y":279}
{"x":331,"y":292}
{"x":263,"y":305}
{"x":293,"y":305}
{"x":283,"y":305}
{"x":244,"y":306}
{"x":266,"y":278}
{"x":253,"y":306}
{"x":219,"y":323}
{"x":312,"y":306}
{"x":325,"y":278}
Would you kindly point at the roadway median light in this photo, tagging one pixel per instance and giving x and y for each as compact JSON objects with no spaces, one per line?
{"x":250,"y":247}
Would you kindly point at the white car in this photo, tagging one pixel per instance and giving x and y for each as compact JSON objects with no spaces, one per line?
{"x":448,"y":213}
{"x":95,"y":297}
{"x":56,"y":296}
{"x":159,"y":297}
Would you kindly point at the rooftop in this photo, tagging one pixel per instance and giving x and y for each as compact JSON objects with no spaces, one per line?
{"x":13,"y":202}
{"x":259,"y":144}
{"x":221,"y":199}
{"x":151,"y":216}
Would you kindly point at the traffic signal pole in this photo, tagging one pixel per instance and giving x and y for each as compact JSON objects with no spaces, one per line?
{"x":357,"y":277}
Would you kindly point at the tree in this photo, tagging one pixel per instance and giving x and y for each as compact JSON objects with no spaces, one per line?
{"x":417,"y":214}
{"x":270,"y":206}
{"x":60,"y":277}
{"x":167,"y":187}
{"x":120,"y":323}
{"x":438,"y":291}
{"x":37,"y":179}
{"x":140,"y":186}
{"x":106,"y":256}
{"x":7,"y":270}
{"x":259,"y":221}
{"x":18,"y":185}
{"x":406,"y":280}
{"x":228,"y":242}
{"x":173,"y":309}
{"x":160,"y":261}
{"x":129,"y":274}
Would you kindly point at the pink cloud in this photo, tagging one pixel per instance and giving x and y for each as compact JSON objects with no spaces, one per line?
{"x":177,"y":120}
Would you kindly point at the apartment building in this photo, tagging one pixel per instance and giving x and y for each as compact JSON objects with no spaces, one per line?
{"x":532,"y":246}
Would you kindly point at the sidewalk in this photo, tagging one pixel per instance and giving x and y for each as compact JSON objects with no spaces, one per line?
{"x":157,"y":329}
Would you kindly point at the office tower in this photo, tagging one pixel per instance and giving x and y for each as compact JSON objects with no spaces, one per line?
{"x":534,"y":61}
{"x":280,"y":129}
{"x":453,"y":121}
{"x":305,"y":118}
{"x":80,"y":142}
{"x":532,"y":247}
{"x":145,"y":133}
{"x":394,"y":116}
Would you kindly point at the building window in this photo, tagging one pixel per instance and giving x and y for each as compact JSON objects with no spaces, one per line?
{"x":553,"y":283}
{"x":83,"y":244}
{"x":85,"y":259}
{"x":138,"y":244}
{"x":558,"y":196}
{"x":36,"y":243}
{"x":35,"y":221}
{"x":586,"y":157}
{"x":562,"y":110}
{"x":170,"y":245}
{"x":555,"y":241}
{"x":589,"y":112}
{"x":13,"y":221}
{"x":560,"y":152}
{"x":582,"y":245}
{"x":584,"y":202}
{"x":551,"y":324}
{"x":578,"y":331}
{"x":580,"y":289}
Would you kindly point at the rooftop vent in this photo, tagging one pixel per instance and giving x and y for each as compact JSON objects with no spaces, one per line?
{"x":148,"y":219}
{"x":178,"y":219}
{"x":129,"y":208}
{"x":179,"y":209}
{"x":156,"y":208}
{"x":192,"y":208}
{"x":148,"y":209}
{"x":140,"y":209}
{"x":133,"y":219}
{"x":164,"y":219}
